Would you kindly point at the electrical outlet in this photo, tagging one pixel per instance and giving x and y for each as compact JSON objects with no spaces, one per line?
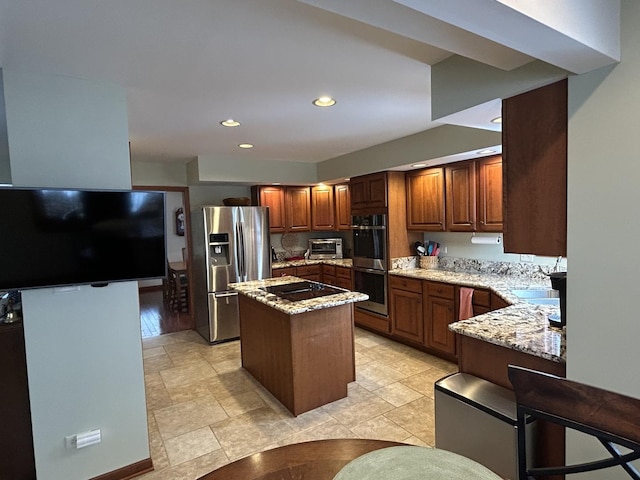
{"x":526,"y":258}
{"x":444,"y":249}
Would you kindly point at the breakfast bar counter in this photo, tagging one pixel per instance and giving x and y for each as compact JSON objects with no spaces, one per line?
{"x":300,"y":349}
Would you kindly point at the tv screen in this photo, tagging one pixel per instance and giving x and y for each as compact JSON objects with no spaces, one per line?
{"x":58,"y":237}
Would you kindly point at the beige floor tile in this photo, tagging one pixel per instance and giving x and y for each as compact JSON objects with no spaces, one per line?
{"x":227,"y":366}
{"x":190,"y":391}
{"x":423,"y":381}
{"x":193,"y":386}
{"x":184,"y":417}
{"x":417,"y":418}
{"x":153,"y":352}
{"x":308,"y":420}
{"x":191,"y":445}
{"x":242,"y":403}
{"x":250,"y":432}
{"x":397,"y":394}
{"x":231,"y":383}
{"x":377,"y":374}
{"x":381,"y":428}
{"x":152,"y":342}
{"x":157,"y":397}
{"x":351,"y":415}
{"x":323,"y":431}
{"x":190,"y":373}
{"x":157,"y":363}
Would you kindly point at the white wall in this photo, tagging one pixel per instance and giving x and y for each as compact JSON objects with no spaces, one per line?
{"x":84,"y":353}
{"x":603,"y":325}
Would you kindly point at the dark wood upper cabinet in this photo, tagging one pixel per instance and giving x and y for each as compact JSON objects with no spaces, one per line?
{"x":289,"y":207}
{"x":489,"y":174}
{"x":461,"y":197}
{"x":298,"y":208}
{"x":369,"y":191}
{"x":343,"y":207}
{"x":534,"y":150}
{"x":426,"y":200}
{"x":322,"y":208}
{"x":274,"y":198}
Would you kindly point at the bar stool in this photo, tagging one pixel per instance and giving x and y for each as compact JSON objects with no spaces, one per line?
{"x":178,"y":292}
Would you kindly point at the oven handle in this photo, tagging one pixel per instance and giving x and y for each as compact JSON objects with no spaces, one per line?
{"x":370,"y":270}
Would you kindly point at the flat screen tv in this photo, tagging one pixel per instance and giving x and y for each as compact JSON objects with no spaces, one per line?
{"x":53,"y":237}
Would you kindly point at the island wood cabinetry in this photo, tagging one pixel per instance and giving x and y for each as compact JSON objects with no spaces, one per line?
{"x":534,"y":146}
{"x":462,"y":197}
{"x":343,"y":206}
{"x":305,"y":360}
{"x":16,"y":439}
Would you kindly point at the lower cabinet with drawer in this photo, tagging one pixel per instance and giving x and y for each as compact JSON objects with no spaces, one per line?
{"x":309,"y":272}
{"x":421,"y":310}
{"x":440,"y":311}
{"x":406,"y":308}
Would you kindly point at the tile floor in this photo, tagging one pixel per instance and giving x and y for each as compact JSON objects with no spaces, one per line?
{"x":205,"y":410}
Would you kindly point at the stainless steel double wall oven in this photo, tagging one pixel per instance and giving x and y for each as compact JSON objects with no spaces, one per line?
{"x":370,"y":261}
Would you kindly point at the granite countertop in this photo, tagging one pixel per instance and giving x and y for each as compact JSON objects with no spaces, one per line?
{"x":338,"y":262}
{"x":253,"y":290}
{"x":522,"y":326}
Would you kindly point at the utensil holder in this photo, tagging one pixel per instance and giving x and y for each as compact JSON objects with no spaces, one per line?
{"x":428,"y":262}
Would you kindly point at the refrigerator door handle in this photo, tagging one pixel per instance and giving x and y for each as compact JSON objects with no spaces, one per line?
{"x":241,"y":260}
{"x":226,"y":294}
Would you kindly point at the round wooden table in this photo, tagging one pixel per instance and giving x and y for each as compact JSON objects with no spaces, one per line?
{"x":323,"y":459}
{"x":317,"y":460}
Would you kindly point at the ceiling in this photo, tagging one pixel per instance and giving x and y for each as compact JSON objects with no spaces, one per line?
{"x":189,"y":64}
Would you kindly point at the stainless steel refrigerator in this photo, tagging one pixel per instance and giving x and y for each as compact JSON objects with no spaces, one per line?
{"x":230,"y":244}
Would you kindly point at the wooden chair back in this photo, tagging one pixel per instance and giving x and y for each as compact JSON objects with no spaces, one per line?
{"x":610,"y":417}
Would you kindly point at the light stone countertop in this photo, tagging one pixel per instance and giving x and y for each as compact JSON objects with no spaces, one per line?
{"x":253,"y":290}
{"x":338,"y":262}
{"x":522,"y":326}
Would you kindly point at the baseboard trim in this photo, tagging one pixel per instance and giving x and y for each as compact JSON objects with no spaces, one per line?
{"x":130,"y":471}
{"x":151,"y":288}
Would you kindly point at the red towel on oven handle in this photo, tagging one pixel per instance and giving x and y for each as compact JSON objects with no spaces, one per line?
{"x":466,"y":303}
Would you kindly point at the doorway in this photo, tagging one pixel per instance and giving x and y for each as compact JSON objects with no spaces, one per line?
{"x":157,"y":314}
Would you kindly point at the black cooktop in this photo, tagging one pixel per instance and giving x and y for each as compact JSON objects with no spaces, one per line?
{"x":298,"y":291}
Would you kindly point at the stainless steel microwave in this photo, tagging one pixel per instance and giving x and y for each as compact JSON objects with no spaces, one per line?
{"x":323,"y":248}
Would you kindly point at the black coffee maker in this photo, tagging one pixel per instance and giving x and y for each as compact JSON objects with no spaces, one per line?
{"x":559,"y":283}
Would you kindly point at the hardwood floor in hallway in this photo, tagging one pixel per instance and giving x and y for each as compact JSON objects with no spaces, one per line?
{"x":157,"y":319}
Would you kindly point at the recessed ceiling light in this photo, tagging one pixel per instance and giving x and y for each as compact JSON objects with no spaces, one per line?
{"x":486,"y":152}
{"x":230,"y":122}
{"x":324,"y":102}
{"x":496,"y":120}
{"x":245,"y":145}
{"x":419,"y":165}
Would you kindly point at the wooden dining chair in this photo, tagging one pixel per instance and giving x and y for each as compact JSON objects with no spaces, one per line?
{"x":610,"y":417}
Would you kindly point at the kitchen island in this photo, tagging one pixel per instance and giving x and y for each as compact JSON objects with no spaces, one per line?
{"x":298,"y":342}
